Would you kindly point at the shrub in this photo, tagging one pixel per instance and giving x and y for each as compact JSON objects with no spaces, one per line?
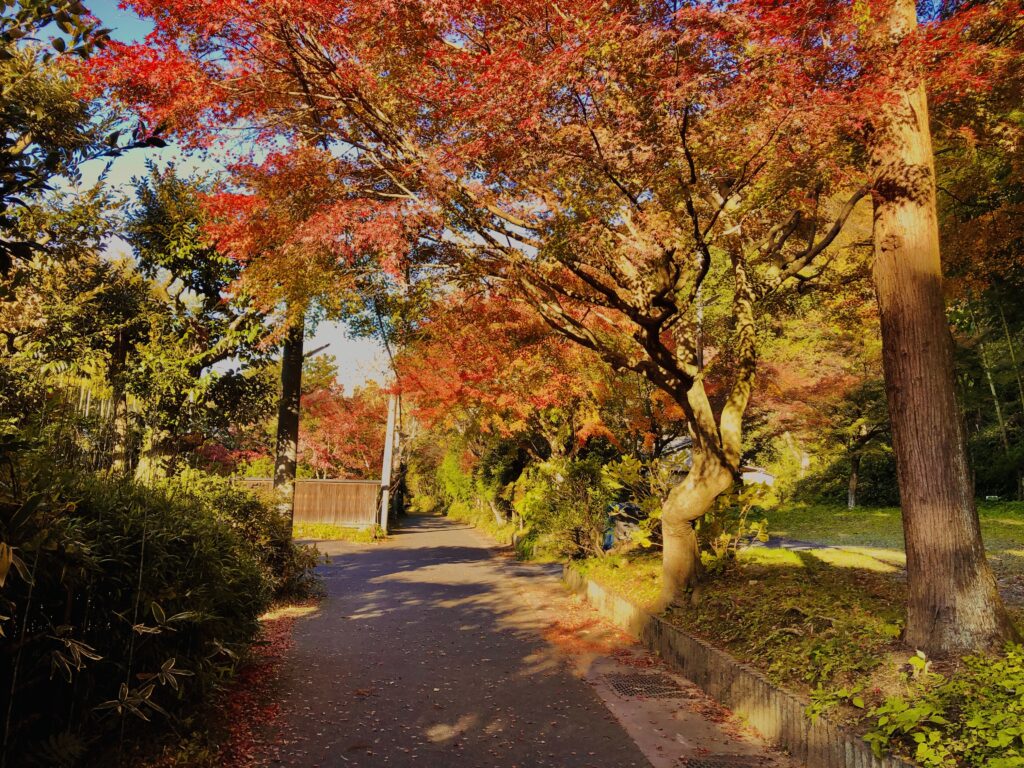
{"x":565,"y":503}
{"x":288,"y":567}
{"x":120,"y":601}
{"x":974,"y":717}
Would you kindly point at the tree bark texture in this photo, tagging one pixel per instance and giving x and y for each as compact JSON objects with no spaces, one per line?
{"x":287,"y":449}
{"x":953,"y":603}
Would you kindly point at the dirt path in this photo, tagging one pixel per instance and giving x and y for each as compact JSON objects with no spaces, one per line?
{"x":432,"y":650}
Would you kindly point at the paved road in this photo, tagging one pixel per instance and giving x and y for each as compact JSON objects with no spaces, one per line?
{"x":430,"y":650}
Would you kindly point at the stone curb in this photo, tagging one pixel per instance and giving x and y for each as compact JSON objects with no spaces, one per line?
{"x":778,"y":715}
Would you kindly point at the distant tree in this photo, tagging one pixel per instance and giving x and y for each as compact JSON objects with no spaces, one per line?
{"x":342,"y":436}
{"x":204,"y":325}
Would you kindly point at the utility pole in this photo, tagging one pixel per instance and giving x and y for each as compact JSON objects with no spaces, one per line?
{"x":385,"y":472}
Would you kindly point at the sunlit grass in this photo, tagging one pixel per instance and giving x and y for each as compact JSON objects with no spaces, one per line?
{"x":328,"y":532}
{"x":290,"y":611}
{"x":762,"y":556}
{"x":878,"y":532}
{"x":804,"y":617}
{"x":846,"y":558}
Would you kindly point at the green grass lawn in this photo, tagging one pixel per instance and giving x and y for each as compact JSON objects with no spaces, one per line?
{"x":878,"y":532}
{"x":1002,"y":525}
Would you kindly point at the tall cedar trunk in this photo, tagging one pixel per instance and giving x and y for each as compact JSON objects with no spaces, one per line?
{"x":851,"y":491}
{"x":287,"y":450}
{"x":953,"y":603}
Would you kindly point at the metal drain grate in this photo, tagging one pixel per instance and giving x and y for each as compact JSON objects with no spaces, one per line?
{"x":724,"y":761}
{"x":629,"y":684}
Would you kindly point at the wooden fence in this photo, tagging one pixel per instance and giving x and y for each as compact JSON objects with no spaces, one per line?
{"x":337,"y":502}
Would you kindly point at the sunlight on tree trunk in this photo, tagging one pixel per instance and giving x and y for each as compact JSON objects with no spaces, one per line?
{"x":686,"y":504}
{"x":851,"y":490}
{"x":154,"y":458}
{"x":953,"y":603}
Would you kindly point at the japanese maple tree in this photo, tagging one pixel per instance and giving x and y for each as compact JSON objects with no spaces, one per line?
{"x":652,"y":177}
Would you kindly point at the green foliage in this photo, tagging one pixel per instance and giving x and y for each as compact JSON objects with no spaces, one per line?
{"x":645,"y":484}
{"x":829,"y":481}
{"x":47,"y":127}
{"x":727,"y":526}
{"x":287,"y":567}
{"x":566,"y":503}
{"x":121,"y":601}
{"x":261,"y":466}
{"x":825,"y":699}
{"x":454,"y":484}
{"x":972,"y":717}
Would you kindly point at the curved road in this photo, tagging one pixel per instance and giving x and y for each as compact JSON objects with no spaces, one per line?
{"x":433,"y":650}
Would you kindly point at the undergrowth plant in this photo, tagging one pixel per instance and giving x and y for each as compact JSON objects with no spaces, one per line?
{"x":973,"y":717}
{"x":121,"y":604}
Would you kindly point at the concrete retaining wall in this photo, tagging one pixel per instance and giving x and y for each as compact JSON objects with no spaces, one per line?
{"x":777,"y":714}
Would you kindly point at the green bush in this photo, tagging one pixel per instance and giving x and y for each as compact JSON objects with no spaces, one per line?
{"x":453,"y":483}
{"x":120,"y":602}
{"x":288,"y":567}
{"x":974,"y":717}
{"x":565,"y":504}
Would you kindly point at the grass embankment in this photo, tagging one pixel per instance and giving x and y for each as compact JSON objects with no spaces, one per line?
{"x":826,"y":623}
{"x":327,"y":532}
{"x":475,"y":515}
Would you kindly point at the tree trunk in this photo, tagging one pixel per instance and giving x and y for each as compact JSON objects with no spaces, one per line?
{"x":154,"y":457}
{"x":1020,"y":385}
{"x":953,"y":603}
{"x":1013,"y":355}
{"x":851,"y":491}
{"x":688,"y":502}
{"x":986,"y":366}
{"x":287,"y":450}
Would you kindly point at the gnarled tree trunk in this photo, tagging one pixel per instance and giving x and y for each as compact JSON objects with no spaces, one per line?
{"x":707,"y":479}
{"x":716,"y":449}
{"x":953,"y":603}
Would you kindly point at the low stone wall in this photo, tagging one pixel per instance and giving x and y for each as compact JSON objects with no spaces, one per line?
{"x":777,"y":714}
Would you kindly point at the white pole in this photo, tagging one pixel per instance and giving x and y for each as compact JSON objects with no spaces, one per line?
{"x":385,"y":472}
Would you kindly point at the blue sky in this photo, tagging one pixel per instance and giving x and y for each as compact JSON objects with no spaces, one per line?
{"x":358,"y":360}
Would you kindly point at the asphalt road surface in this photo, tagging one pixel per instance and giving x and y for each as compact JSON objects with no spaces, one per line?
{"x":431,"y":649}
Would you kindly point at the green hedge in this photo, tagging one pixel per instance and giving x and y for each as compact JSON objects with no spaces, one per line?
{"x":122,"y":602}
